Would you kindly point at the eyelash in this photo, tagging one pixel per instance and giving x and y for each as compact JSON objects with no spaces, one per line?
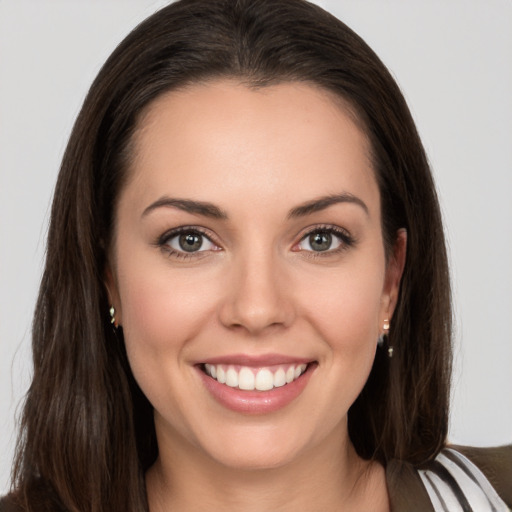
{"x":346,"y":241}
{"x":163,"y":241}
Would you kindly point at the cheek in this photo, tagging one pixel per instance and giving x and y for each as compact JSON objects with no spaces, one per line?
{"x":346,"y":303}
{"x":162,"y":314}
{"x":342,"y":310}
{"x":161,"y":311}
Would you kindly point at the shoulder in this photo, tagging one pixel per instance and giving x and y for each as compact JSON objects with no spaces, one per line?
{"x":454,"y":471}
{"x":496,"y":464}
{"x":405,"y":488}
{"x":8,"y":504}
{"x":36,"y":497}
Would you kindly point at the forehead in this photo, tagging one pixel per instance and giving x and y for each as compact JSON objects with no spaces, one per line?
{"x":289,"y":140}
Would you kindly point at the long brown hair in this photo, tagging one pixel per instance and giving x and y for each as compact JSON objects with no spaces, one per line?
{"x":87,"y":434}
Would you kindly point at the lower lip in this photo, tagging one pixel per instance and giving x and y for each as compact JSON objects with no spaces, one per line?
{"x":256,"y":402}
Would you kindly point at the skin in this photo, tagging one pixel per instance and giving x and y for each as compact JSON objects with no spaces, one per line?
{"x":258,"y":287}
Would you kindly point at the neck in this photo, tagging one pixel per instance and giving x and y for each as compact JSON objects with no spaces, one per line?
{"x":330,"y":477}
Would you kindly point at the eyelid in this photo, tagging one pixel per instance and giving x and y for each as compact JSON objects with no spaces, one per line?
{"x":346,"y":239}
{"x":163,"y":241}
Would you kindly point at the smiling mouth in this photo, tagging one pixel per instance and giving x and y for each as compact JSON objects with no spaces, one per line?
{"x":248,"y":378}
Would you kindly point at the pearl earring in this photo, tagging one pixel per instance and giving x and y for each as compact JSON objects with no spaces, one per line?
{"x":112,"y":312}
{"x":384,"y":337}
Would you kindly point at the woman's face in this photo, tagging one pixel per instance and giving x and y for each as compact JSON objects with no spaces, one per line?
{"x":249,"y":254}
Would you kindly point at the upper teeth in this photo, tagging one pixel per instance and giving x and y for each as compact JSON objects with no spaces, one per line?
{"x":249,"y":379}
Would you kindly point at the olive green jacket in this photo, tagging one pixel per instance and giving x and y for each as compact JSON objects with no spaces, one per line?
{"x":408,"y":494}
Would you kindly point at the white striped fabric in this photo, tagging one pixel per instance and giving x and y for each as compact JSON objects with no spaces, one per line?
{"x":455,"y":484}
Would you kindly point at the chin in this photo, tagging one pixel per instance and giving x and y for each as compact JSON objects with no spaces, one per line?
{"x":256,"y":447}
{"x":254,"y":458}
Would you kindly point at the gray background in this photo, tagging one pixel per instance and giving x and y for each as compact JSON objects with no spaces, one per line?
{"x":453,"y":60}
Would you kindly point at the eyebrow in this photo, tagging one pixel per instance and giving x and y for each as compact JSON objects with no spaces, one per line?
{"x":210,"y":210}
{"x":187,"y":205}
{"x":324,"y":202}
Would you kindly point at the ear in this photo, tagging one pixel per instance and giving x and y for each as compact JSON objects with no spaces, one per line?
{"x":394,"y":271}
{"x":113,"y":293}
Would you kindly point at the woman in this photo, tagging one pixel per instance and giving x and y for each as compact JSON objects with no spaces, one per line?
{"x":241,"y":292}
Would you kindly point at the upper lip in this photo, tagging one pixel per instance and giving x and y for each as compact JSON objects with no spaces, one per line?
{"x":256,"y":360}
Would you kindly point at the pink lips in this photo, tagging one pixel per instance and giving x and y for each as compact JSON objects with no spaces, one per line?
{"x":256,"y":402}
{"x":256,"y":361}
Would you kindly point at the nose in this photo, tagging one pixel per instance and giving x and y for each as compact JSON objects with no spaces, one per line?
{"x":258,"y":296}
